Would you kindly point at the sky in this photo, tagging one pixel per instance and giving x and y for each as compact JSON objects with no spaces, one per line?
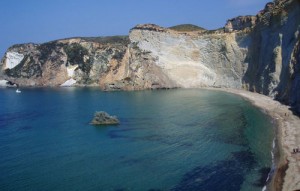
{"x":38,"y":21}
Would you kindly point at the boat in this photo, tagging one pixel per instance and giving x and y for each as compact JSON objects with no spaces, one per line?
{"x":18,"y":91}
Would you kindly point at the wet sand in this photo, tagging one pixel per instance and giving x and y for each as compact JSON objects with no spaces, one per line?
{"x":287,"y":173}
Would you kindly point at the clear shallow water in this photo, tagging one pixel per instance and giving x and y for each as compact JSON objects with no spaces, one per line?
{"x":167,"y":140}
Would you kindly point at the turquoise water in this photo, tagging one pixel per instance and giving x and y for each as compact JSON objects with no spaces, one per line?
{"x":167,"y":140}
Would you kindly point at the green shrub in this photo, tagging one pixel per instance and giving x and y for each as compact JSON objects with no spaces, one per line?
{"x":76,"y":53}
{"x":186,"y":28}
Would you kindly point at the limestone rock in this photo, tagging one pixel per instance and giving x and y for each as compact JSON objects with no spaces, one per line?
{"x":192,"y":61}
{"x":103,"y":118}
{"x":3,"y":83}
{"x":149,"y":27}
{"x":240,"y":23}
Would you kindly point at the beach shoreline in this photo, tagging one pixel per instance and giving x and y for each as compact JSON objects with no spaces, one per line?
{"x":286,"y":175}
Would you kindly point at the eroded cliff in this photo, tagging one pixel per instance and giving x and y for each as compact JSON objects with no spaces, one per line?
{"x":258,"y":53}
{"x":194,"y":59}
{"x":272,"y":54}
{"x":64,"y":62}
{"x":112,"y":63}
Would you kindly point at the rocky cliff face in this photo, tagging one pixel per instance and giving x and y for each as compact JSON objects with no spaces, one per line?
{"x":112,"y":63}
{"x":192,"y":60}
{"x":258,"y":53}
{"x":240,"y":23}
{"x":273,"y":52}
{"x":63,"y":62}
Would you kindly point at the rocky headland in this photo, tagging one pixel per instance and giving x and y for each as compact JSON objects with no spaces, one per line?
{"x":258,"y":53}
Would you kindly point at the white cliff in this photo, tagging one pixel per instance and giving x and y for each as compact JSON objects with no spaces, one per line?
{"x":69,"y":83}
{"x":13,"y":59}
{"x":193,"y":60}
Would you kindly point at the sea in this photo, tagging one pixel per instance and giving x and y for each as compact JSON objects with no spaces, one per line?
{"x":180,"y":139}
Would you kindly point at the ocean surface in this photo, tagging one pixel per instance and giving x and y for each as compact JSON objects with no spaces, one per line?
{"x":168,"y":140}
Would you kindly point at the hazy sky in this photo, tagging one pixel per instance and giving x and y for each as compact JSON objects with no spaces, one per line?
{"x":37,"y":21}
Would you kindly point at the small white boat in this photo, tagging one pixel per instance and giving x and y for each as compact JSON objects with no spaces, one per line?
{"x":18,"y":91}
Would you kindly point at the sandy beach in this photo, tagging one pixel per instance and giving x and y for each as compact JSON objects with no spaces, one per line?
{"x":287,"y":173}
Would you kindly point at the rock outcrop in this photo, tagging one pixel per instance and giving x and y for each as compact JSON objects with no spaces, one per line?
{"x":3,"y":83}
{"x":103,"y":118}
{"x":240,"y":23}
{"x":258,"y":53}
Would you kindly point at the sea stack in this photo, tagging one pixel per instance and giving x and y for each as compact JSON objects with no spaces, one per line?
{"x":103,"y":118}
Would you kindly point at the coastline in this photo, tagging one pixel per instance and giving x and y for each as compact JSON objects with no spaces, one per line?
{"x":287,"y":164}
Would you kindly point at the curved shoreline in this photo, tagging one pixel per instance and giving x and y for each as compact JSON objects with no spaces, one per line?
{"x":287,"y":173}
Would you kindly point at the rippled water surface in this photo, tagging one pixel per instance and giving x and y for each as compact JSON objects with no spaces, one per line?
{"x":167,"y":140}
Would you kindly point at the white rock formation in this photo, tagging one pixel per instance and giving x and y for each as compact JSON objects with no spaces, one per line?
{"x":195,"y":61}
{"x":69,"y":83}
{"x":13,"y":59}
{"x":3,"y":83}
{"x":71,"y":69}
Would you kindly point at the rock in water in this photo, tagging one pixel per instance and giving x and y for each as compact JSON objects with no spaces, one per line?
{"x":103,"y":118}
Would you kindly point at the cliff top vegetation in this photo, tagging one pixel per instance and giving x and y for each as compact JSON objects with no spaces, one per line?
{"x":186,"y":28}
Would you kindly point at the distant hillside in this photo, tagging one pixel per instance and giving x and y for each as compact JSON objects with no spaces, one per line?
{"x":186,"y":28}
